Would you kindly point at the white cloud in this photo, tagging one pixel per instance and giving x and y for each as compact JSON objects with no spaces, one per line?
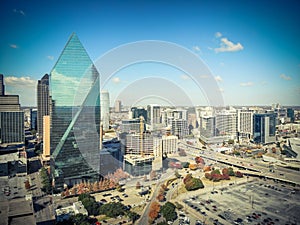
{"x":246,"y":84}
{"x":285,"y":77}
{"x":218,"y":78}
{"x":24,"y":86}
{"x":184,"y":77}
{"x":196,"y":48}
{"x":13,"y":46}
{"x":218,"y":34}
{"x":228,"y":46}
{"x":116,"y":80}
{"x":50,"y":57}
{"x":19,"y":12}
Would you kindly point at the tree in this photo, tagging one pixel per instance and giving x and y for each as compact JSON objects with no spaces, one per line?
{"x":27,"y":185}
{"x":152,"y":175}
{"x":239,"y":174}
{"x":194,"y":184}
{"x":168,"y":211}
{"x":225,"y":171}
{"x":160,"y":197}
{"x":112,"y":209}
{"x":133,"y":216}
{"x":199,"y":160}
{"x":206,"y":168}
{"x":193,"y":166}
{"x":154,"y":210}
{"x":230,"y":171}
{"x":138,"y":185}
{"x":89,"y":203}
{"x":162,"y":223}
{"x":185,"y":164}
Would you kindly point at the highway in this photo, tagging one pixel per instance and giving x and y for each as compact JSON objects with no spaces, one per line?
{"x":279,"y":173}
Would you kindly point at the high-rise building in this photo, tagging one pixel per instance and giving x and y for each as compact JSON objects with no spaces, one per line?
{"x":245,"y":123}
{"x":179,"y":127}
{"x":43,"y":103}
{"x":137,"y":112}
{"x":2,"y":87}
{"x":167,"y":144}
{"x":33,"y":119}
{"x":75,"y":116}
{"x":207,"y":126}
{"x":46,"y":139}
{"x":130,"y":125}
{"x":105,"y":103}
{"x":153,"y":116}
{"x":264,"y":128}
{"x":226,"y":123}
{"x":11,"y":118}
{"x":118,"y":106}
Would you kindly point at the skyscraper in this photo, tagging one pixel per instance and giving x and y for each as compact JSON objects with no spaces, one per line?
{"x":118,"y":106}
{"x":43,"y":102}
{"x":11,"y":118}
{"x":75,"y":116}
{"x":264,"y":128}
{"x":153,"y":116}
{"x":105,"y":109}
{"x":2,"y":90}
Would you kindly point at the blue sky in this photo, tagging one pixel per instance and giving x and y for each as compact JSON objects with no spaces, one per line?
{"x":251,"y":47}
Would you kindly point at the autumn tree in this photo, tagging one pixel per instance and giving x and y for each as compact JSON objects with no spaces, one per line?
{"x":154,"y":210}
{"x":27,"y":185}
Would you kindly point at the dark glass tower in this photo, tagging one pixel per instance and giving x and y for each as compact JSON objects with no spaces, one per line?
{"x":2,"y":90}
{"x":75,"y":119}
{"x":264,"y":128}
{"x":43,"y":102}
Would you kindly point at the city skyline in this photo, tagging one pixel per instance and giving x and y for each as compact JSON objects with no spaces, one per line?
{"x":250,"y":47}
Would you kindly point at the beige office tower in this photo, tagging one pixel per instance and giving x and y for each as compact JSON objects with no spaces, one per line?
{"x":46,"y":139}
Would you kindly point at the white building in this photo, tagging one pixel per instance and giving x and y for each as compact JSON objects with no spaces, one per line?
{"x":245,"y":123}
{"x":64,"y":213}
{"x":168,"y":144}
{"x":139,"y":144}
{"x":104,"y":104}
{"x":226,"y":123}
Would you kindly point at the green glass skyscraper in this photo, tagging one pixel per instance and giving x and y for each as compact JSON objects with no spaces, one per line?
{"x":75,"y":119}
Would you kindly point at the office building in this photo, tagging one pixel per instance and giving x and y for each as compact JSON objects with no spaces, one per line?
{"x":75,"y":117}
{"x":118,"y":106}
{"x":33,"y":119}
{"x":139,"y":144}
{"x":226,"y":123}
{"x":105,"y":103}
{"x":207,"y":126}
{"x":137,"y":112}
{"x":167,"y":144}
{"x":11,"y":119}
{"x":130,"y":126}
{"x":46,"y":139}
{"x":2,"y":87}
{"x":264,"y":128}
{"x":179,"y":127}
{"x":245,"y":123}
{"x":43,"y":103}
{"x":153,"y":116}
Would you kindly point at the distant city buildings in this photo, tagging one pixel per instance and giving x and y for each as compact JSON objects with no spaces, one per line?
{"x":105,"y":103}
{"x":153,"y":116}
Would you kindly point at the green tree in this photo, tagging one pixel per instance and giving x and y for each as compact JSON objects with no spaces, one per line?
{"x":168,"y":211}
{"x":133,"y":216}
{"x":231,"y":172}
{"x":112,"y":209}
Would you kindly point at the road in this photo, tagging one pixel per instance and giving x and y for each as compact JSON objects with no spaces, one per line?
{"x":244,"y":163}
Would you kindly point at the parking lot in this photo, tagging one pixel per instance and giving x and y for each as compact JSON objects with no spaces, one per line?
{"x":255,"y":202}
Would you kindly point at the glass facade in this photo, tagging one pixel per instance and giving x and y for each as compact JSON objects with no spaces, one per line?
{"x":264,"y":127}
{"x":75,"y":120}
{"x":12,"y":127}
